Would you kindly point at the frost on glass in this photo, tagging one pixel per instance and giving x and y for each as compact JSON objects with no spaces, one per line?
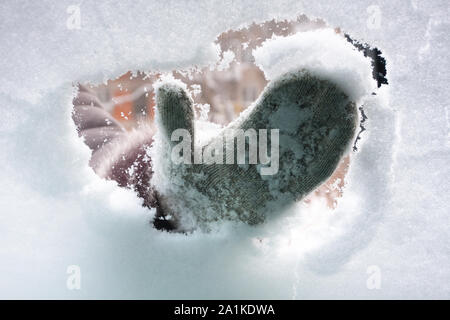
{"x":58,"y":218}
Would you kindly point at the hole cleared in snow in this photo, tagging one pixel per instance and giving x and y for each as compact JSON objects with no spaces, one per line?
{"x":110,"y":115}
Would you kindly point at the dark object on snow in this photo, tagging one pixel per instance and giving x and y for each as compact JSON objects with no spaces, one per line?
{"x":378,"y":62}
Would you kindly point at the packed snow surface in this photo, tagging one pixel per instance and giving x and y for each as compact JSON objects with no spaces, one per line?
{"x":387,"y":237}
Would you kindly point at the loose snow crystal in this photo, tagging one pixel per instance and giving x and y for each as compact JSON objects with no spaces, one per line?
{"x":387,"y":237}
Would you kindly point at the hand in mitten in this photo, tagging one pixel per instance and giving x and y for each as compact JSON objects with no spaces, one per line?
{"x":303,"y":124}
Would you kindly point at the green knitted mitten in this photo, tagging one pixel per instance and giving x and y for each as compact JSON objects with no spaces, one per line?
{"x":294,"y":137}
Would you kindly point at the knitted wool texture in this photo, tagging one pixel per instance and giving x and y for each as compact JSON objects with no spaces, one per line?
{"x":316,"y":122}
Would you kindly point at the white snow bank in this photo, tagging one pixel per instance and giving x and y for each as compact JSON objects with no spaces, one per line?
{"x":323,"y":53}
{"x":54,"y":212}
